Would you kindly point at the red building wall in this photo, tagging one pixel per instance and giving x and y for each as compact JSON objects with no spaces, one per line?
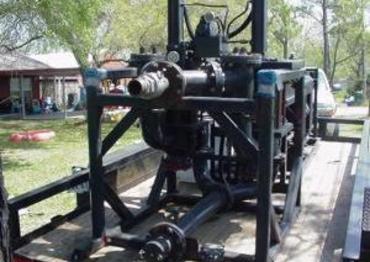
{"x":4,"y":87}
{"x":4,"y":93}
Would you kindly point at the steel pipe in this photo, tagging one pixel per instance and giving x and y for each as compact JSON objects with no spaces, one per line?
{"x":148,"y":85}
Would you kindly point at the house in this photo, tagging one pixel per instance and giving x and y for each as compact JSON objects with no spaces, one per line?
{"x":25,"y":79}
{"x":52,"y":86}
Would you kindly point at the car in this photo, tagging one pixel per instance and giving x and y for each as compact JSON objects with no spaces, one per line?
{"x":337,"y":87}
{"x":326,"y":105}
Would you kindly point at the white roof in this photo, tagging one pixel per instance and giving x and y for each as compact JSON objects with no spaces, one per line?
{"x":63,"y":60}
{"x":15,"y":61}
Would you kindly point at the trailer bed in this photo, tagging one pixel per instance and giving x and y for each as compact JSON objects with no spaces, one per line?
{"x":327,"y":170}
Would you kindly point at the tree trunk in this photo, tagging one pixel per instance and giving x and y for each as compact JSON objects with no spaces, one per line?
{"x":286,"y":49}
{"x":325,"y":29}
{"x":4,"y":215}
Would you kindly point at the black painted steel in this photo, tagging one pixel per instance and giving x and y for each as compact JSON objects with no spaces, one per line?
{"x":205,"y":115}
{"x":266,"y":124}
{"x":259,"y":26}
{"x":129,"y":156}
{"x":245,"y":144}
{"x":314,"y":73}
{"x":35,"y":196}
{"x":336,"y":123}
{"x":163,"y":243}
{"x":354,"y":247}
{"x":115,"y":74}
{"x":19,"y":241}
{"x":249,"y":134}
{"x":175,"y":23}
{"x":160,"y":179}
{"x":96,"y":180}
{"x":116,"y":203}
{"x":212,"y":204}
{"x":299,"y":137}
{"x":128,"y":120}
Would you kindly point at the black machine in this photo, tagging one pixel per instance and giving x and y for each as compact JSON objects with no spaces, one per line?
{"x":237,"y":119}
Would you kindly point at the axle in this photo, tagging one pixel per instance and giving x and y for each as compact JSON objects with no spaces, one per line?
{"x":168,"y":240}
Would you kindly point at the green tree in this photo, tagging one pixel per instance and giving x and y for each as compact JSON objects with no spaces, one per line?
{"x":138,"y":24}
{"x":341,"y":23}
{"x":144,"y":23}
{"x":283,"y":27}
{"x":75,"y":24}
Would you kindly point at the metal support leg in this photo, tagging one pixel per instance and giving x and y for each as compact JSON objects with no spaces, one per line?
{"x":266,"y":120}
{"x":171,"y":182}
{"x":300,"y":130}
{"x":293,"y":191}
{"x":160,"y":178}
{"x":94,"y":114}
{"x":116,"y":203}
{"x":276,"y":232}
{"x":315,"y":120}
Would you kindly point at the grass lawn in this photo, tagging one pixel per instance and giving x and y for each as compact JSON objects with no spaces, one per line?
{"x":29,"y":165}
{"x":340,"y":96}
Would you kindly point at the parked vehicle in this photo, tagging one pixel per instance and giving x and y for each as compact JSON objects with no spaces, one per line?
{"x":326,"y":105}
{"x":337,"y":87}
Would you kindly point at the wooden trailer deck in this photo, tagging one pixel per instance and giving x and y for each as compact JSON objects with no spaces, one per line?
{"x":317,"y":235}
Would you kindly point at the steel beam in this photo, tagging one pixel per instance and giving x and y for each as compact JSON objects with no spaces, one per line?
{"x":160,"y":179}
{"x":240,"y":140}
{"x":94,"y":113}
{"x":266,"y":119}
{"x":175,"y":23}
{"x":120,"y":129}
{"x":259,"y":26}
{"x":116,"y":203}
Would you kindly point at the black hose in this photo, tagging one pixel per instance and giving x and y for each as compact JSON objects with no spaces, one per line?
{"x":241,"y":28}
{"x":237,"y":17}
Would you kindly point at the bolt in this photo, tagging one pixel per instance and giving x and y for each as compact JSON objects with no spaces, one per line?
{"x":142,"y":254}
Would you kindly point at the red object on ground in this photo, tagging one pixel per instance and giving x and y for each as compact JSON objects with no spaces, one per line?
{"x":32,"y":136}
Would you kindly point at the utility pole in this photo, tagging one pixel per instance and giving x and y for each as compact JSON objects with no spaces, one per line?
{"x":325,"y":27}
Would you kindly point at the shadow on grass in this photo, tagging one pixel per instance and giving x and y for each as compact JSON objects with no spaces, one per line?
{"x":10,"y":164}
{"x":5,"y":143}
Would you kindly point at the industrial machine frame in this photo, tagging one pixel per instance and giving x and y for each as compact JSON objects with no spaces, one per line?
{"x":267,"y":110}
{"x":267,"y":129}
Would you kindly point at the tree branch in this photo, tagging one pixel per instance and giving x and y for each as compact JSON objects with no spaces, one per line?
{"x":13,"y":48}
